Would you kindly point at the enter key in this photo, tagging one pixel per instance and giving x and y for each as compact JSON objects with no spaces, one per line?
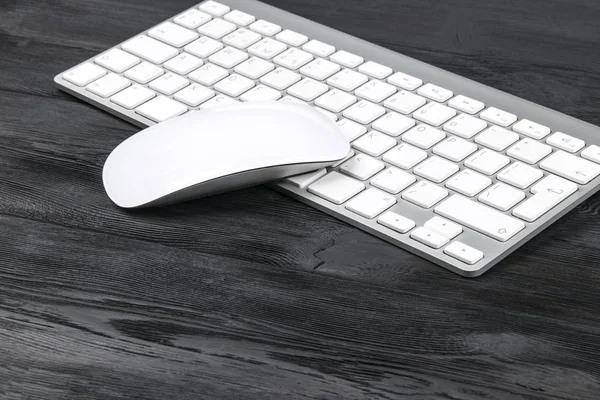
{"x":547,"y":194}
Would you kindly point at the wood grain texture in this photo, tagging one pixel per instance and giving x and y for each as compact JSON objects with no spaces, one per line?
{"x":251,"y":295}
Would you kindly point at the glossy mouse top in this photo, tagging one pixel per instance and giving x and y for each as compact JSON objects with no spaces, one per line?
{"x":220,"y":149}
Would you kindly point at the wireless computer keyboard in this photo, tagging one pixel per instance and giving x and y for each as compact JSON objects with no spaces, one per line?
{"x":444,"y":167}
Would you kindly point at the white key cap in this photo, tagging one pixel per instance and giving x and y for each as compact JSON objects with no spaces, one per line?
{"x":468,"y":182}
{"x":234,"y":85}
{"x":292,"y":38}
{"x":465,"y":126}
{"x":347,"y":80}
{"x":480,"y":217}
{"x":192,"y":19}
{"x":374,"y":143}
{"x":371,"y":203}
{"x":531,"y":129}
{"x":496,"y":138}
{"x":150,"y":49}
{"x":405,"y":81}
{"x":335,"y":100}
{"x":592,"y":153}
{"x":487,"y":161}
{"x":194,"y":95}
{"x":144,"y":72}
{"x":333,"y":117}
{"x":404,"y":102}
{"x":375,"y":70}
{"x":454,"y":148}
{"x":267,"y":48}
{"x":261,"y":93}
{"x":393,"y":124}
{"x":214,"y":8}
{"x":393,"y":180}
{"x":424,"y":194}
{"x":161,"y":108}
{"x":217,"y":28}
{"x":434,"y":92}
{"x":203,"y":47}
{"x":405,"y":156}
{"x":265,"y":28}
{"x":350,"y":154}
{"x":336,"y":188}
{"x":254,"y":68}
{"x":364,"y":112}
{"x":443,"y":227}
{"x":501,"y":196}
{"x":434,"y":114}
{"x":565,"y":142}
{"x":466,"y":104}
{"x":571,"y":167}
{"x":117,"y":60}
{"x":183,"y":64}
{"x":217,"y":101}
{"x":318,"y":48}
{"x":436,"y":169}
{"x":208,"y":74}
{"x":108,"y":85}
{"x":84,"y":74}
{"x":303,"y":180}
{"x":396,"y":222}
{"x":350,"y":129}
{"x":498,"y":117}
{"x":362,"y":167}
{"x":548,"y":193}
{"x":529,"y":150}
{"x":463,"y":253}
{"x":280,"y":78}
{"x":320,"y":69}
{"x":169,"y":83}
{"x":346,"y":59}
{"x":242,"y":38}
{"x":429,"y":237}
{"x":228,"y":58}
{"x":308,"y":89}
{"x":520,"y":175}
{"x":172,"y":34}
{"x":375,"y":91}
{"x":293,"y":58}
{"x":423,"y":136}
{"x":133,"y":96}
{"x":239,"y":18}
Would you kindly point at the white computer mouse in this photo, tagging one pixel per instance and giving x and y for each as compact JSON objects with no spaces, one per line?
{"x":220,"y":149}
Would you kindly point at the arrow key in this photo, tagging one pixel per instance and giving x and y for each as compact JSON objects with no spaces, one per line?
{"x":443,"y":227}
{"x":429,"y":238}
{"x":464,"y":253}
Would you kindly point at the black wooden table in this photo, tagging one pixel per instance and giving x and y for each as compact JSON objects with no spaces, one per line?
{"x":252,"y":295}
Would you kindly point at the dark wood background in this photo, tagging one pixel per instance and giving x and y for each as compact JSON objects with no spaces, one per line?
{"x":252,"y":295}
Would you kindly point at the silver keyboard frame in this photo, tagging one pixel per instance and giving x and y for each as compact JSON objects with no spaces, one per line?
{"x":493,"y":250}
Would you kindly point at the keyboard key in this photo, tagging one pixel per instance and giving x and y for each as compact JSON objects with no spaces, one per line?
{"x":173,"y":34}
{"x":328,"y":114}
{"x":547,"y":194}
{"x":502,"y":197}
{"x":393,"y":124}
{"x":194,"y":95}
{"x":336,"y":188}
{"x":346,"y":59}
{"x":203,"y":47}
{"x":133,"y":96}
{"x":404,"y":102}
{"x":464,"y":253}
{"x":393,"y":180}
{"x":84,"y":74}
{"x":265,"y":28}
{"x":371,"y":203}
{"x":429,"y":237}
{"x":424,"y":194}
{"x":496,"y":138}
{"x":228,"y":58}
{"x":144,"y":72}
{"x":261,"y":93}
{"x":375,"y":91}
{"x":217,"y":101}
{"x":466,"y":104}
{"x":161,"y":108}
{"x":192,"y":19}
{"x":108,"y":85}
{"x":436,"y":169}
{"x":435,"y":93}
{"x":280,"y":78}
{"x":347,"y":80}
{"x":571,"y":167}
{"x":434,"y":114}
{"x":303,"y":180}
{"x":498,"y":117}
{"x":335,"y":100}
{"x":318,"y":48}
{"x":364,"y":112}
{"x":117,"y":60}
{"x":362,"y":167}
{"x":208,"y":74}
{"x":487,"y":161}
{"x":423,"y":136}
{"x":292,"y":38}
{"x":183,"y":64}
{"x":239,"y":18}
{"x":290,"y":99}
{"x":531,"y":129}
{"x":351,"y":130}
{"x":375,"y":70}
{"x":529,"y":150}
{"x":320,"y":69}
{"x":468,"y":182}
{"x":234,"y":85}
{"x":267,"y":48}
{"x":308,"y":89}
{"x":293,"y":59}
{"x":169,"y":83}
{"x":374,"y":143}
{"x":454,"y":148}
{"x":480,"y":217}
{"x":254,"y":68}
{"x":443,"y":227}
{"x":214,"y":8}
{"x":150,"y":49}
{"x":592,"y":153}
{"x":405,"y":81}
{"x":242,"y":38}
{"x":520,"y":175}
{"x":350,"y":154}
{"x":465,"y":126}
{"x":396,"y":222}
{"x":217,"y":28}
{"x":404,"y":156}
{"x":565,"y":142}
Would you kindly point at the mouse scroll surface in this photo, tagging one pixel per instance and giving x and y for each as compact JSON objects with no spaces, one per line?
{"x":183,"y":154}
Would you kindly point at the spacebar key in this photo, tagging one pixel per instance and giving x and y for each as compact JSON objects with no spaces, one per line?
{"x":480,"y":218}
